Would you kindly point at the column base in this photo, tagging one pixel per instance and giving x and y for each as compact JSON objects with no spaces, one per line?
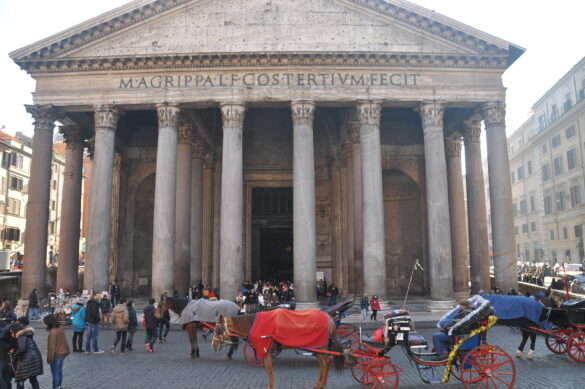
{"x":441,"y":305}
{"x":310,"y":305}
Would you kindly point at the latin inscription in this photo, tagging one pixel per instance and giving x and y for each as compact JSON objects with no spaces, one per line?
{"x":391,"y":80}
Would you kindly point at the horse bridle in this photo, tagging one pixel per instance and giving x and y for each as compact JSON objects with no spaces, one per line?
{"x":218,"y":334}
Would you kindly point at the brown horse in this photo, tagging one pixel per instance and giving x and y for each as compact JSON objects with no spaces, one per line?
{"x":177,"y":305}
{"x":227,"y":328}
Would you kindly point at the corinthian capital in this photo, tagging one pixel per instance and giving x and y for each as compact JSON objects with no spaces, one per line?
{"x":106,"y":116}
{"x":494,"y":113}
{"x":44,"y":116}
{"x":232,"y":114}
{"x":369,"y":112}
{"x":303,"y":112}
{"x":453,"y":147}
{"x":73,"y":135}
{"x":353,"y":134}
{"x":431,"y":113}
{"x":168,"y":114}
{"x":472,"y":130}
{"x":199,"y":150}
{"x":185,"y":133}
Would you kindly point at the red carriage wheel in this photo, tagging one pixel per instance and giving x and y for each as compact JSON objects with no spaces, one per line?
{"x":576,"y":347}
{"x":358,"y":370}
{"x":488,"y":366}
{"x":557,"y":343}
{"x":381,"y":374}
{"x":250,"y":356}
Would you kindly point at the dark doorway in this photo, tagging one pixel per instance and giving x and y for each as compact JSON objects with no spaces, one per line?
{"x":272,"y":242}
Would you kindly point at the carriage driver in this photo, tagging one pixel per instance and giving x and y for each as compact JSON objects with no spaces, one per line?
{"x":441,"y":340}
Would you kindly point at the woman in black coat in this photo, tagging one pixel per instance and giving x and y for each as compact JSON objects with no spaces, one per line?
{"x":30,"y":360}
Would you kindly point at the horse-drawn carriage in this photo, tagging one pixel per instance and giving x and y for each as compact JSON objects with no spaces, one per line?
{"x":472,"y":360}
{"x":568,"y":335}
{"x":562,"y":327}
{"x":482,"y":364}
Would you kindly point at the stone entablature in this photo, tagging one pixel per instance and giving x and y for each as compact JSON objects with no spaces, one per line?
{"x":327,"y":84}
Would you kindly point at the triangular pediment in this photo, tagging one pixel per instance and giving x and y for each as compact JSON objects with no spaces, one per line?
{"x":165,"y":28}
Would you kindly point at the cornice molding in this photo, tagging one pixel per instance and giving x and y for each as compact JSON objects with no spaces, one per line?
{"x":415,"y":17}
{"x":265,"y":59}
{"x":103,"y":29}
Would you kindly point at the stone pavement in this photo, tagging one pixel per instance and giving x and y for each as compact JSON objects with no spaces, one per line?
{"x":170,"y":367}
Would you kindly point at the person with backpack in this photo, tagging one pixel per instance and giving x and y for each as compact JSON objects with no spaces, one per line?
{"x":29,"y":359}
{"x":57,"y":349}
{"x":132,"y":324}
{"x":105,"y":307}
{"x":78,"y":321}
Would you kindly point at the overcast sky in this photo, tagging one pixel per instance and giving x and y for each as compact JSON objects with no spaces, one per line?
{"x":551,"y":31}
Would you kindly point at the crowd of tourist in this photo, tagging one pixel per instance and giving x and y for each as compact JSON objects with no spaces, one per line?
{"x":535,"y":274}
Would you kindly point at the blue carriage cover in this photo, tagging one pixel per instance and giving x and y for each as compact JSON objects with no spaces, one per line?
{"x":518,"y":310}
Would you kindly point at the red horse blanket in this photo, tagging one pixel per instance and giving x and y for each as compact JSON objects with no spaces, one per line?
{"x":296,"y":329}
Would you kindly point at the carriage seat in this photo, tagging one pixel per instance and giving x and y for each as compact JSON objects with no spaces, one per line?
{"x":416,"y":341}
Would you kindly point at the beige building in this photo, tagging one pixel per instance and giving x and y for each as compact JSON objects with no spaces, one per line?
{"x":547,"y":173}
{"x":242,"y":139}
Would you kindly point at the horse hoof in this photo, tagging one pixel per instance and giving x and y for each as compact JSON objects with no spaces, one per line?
{"x":192,"y":356}
{"x":229,"y":358}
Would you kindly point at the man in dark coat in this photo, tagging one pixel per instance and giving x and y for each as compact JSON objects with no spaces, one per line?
{"x":92,"y":318}
{"x":151,"y":324}
{"x":33,"y":305}
{"x":30,"y":360}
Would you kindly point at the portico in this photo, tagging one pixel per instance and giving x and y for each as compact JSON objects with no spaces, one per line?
{"x":357,"y":128}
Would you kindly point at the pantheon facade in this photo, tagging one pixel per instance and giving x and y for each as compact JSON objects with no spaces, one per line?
{"x":238,"y":140}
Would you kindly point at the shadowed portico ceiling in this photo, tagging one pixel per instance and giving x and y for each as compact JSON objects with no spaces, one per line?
{"x":456,"y":45}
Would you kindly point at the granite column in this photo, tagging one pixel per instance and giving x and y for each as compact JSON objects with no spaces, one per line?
{"x":96,"y":275}
{"x":476,"y":209}
{"x":67,"y":277}
{"x":37,"y":210}
{"x":231,"y":252}
{"x":457,"y":215}
{"x":440,"y":272}
{"x":374,"y":254}
{"x":183,"y":209}
{"x":163,"y":240}
{"x":196,"y":274}
{"x":304,"y":235}
{"x":358,"y":225}
{"x":505,"y":262}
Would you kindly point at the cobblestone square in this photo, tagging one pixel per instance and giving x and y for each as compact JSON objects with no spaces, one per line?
{"x":170,"y":367}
